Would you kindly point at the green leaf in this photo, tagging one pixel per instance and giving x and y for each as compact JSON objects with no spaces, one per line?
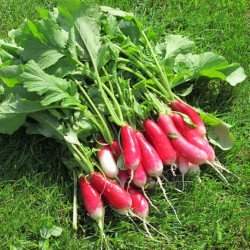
{"x":53,"y":89}
{"x":186,"y":91}
{"x":116,"y":12}
{"x":130,"y":29}
{"x":56,"y":231}
{"x":45,"y":233}
{"x":218,"y":131}
{"x":89,"y":32}
{"x":221,"y":136}
{"x":10,"y":75}
{"x":47,"y":125}
{"x":63,"y":67}
{"x":110,"y":25}
{"x":172,"y":46}
{"x":71,"y":137}
{"x":44,"y":42}
{"x":209,"y":65}
{"x":13,"y":112}
{"x":234,"y":74}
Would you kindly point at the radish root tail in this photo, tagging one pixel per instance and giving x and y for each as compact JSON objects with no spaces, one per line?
{"x":166,"y":197}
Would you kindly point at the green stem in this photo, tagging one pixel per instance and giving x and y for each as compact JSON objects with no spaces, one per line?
{"x":115,"y":102}
{"x":106,"y":100}
{"x":75,"y":201}
{"x":132,"y":72}
{"x":141,"y":65}
{"x":163,"y":75}
{"x":104,"y":128}
{"x":83,"y":158}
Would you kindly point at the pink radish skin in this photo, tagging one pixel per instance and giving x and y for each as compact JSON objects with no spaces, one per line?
{"x":130,"y":146}
{"x":151,"y":161}
{"x":140,"y":177}
{"x":140,"y":204}
{"x":107,"y":162}
{"x":92,"y":199}
{"x":185,"y":109}
{"x":193,"y":137}
{"x":112,"y":192}
{"x":123,"y":177}
{"x":180,"y":124}
{"x":116,"y":149}
{"x":180,"y":144}
{"x":160,"y":141}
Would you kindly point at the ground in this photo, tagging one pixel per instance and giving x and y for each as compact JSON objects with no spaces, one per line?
{"x":36,"y":189}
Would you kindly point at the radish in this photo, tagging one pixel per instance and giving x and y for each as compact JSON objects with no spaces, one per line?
{"x":151,"y":161}
{"x":183,"y":166}
{"x":140,"y":177}
{"x":188,"y":110}
{"x":179,"y":143}
{"x":140,"y":204}
{"x":160,"y":141}
{"x":113,"y":193}
{"x":130,"y":146}
{"x":193,"y":137}
{"x":180,"y":124}
{"x":116,"y":149}
{"x":123,"y":177}
{"x":92,"y":199}
{"x":107,"y":162}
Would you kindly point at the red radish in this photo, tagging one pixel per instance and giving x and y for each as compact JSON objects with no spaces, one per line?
{"x":130,"y":146}
{"x":123,"y":177}
{"x":151,"y":161}
{"x":180,"y":124}
{"x":113,"y":193}
{"x":92,"y":199}
{"x":139,"y":203}
{"x":188,"y":110}
{"x":116,"y":149}
{"x":140,"y":177}
{"x":160,"y":141}
{"x":193,"y":137}
{"x":179,"y":143}
{"x":107,"y":162}
{"x":183,"y":166}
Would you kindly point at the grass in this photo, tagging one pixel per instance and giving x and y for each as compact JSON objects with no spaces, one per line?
{"x":36,"y":189}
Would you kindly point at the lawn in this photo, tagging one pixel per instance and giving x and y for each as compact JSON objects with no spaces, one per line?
{"x":36,"y":189}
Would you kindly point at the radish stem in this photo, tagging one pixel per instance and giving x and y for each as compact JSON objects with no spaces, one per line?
{"x":75,"y":201}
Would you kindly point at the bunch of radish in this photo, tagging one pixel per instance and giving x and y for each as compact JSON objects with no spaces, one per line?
{"x":108,"y":95}
{"x":127,"y":165}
